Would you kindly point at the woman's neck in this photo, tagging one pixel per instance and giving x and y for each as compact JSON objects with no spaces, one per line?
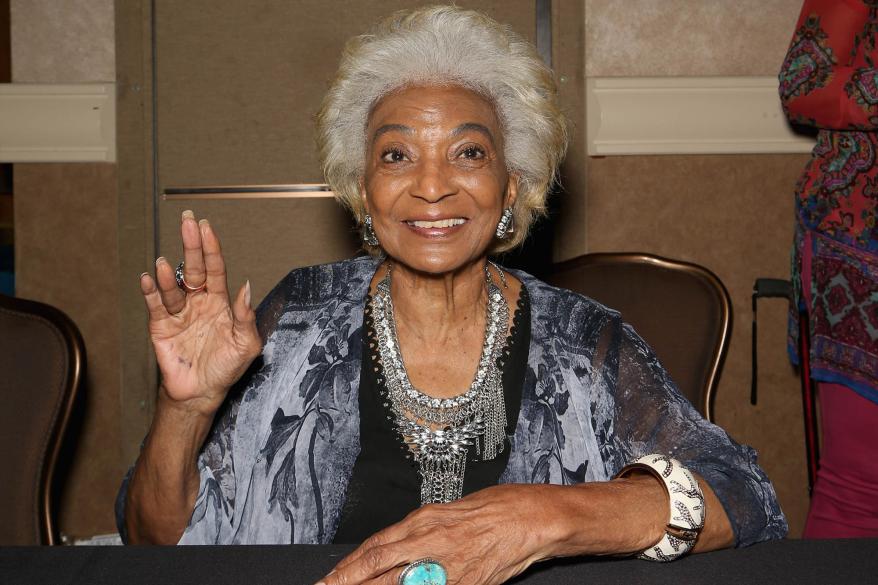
{"x":437,"y":304}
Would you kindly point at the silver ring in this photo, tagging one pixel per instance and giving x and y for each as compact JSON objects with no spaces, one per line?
{"x":181,"y":280}
{"x":423,"y":572}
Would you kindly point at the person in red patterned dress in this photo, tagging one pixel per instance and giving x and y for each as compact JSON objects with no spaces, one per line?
{"x":829,"y":81}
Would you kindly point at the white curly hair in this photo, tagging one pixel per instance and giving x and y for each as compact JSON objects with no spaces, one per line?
{"x":442,"y":45}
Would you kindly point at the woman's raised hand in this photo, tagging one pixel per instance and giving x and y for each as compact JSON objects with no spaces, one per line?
{"x":203,"y":342}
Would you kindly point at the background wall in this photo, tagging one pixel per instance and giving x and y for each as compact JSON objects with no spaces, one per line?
{"x":63,"y":42}
{"x":6,"y":215}
{"x":66,"y":249}
{"x":731,"y":213}
{"x":5,"y":47}
{"x":687,"y":37}
{"x":77,"y":224}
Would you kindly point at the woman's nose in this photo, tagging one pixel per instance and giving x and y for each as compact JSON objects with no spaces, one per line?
{"x":433,"y":182}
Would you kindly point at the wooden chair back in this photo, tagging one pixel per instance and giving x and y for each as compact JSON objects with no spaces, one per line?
{"x":42,"y":362}
{"x":682,"y":310}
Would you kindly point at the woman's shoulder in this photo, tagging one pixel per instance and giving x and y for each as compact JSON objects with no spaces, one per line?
{"x":316,"y":285}
{"x":306,"y":293}
{"x":564,"y":312}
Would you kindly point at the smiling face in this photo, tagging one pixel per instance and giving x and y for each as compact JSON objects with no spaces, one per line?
{"x":435,"y":181}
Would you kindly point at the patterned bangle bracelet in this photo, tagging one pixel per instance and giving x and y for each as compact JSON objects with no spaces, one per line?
{"x":686,"y":503}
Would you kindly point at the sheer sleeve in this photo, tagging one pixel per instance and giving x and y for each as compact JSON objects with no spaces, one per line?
{"x":211,"y":520}
{"x":828,"y":79}
{"x":651,"y":416}
{"x":213,"y":516}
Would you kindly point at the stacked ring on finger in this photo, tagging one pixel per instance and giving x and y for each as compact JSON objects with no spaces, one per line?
{"x":181,"y":280}
{"x":423,"y":572}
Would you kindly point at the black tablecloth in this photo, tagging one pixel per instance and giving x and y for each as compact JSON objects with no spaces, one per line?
{"x":790,"y":561}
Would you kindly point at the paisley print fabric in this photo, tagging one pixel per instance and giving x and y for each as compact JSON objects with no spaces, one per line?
{"x":275,"y":468}
{"x":864,"y":87}
{"x":843,"y":156}
{"x":809,"y":61}
{"x":837,"y":196}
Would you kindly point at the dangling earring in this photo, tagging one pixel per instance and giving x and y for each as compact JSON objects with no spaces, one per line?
{"x":506,"y":225}
{"x":369,"y":232}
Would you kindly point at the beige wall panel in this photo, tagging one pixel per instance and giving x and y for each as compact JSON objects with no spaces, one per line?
{"x":5,"y":46}
{"x":634,"y":38}
{"x":62,"y":42}
{"x":568,"y":49}
{"x":66,"y":256}
{"x":136,"y":244}
{"x":263,"y":240}
{"x":238,"y":87}
{"x":733,"y":214}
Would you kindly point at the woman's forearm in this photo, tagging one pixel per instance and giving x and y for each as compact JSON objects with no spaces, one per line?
{"x":717,"y":532}
{"x":496,"y":533}
{"x":625,"y":516}
{"x":164,"y":485}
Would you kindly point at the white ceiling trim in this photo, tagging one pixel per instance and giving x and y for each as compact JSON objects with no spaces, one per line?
{"x":688,"y":115}
{"x":57,"y":123}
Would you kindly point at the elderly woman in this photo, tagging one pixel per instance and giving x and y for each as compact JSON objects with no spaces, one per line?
{"x":457,"y":419}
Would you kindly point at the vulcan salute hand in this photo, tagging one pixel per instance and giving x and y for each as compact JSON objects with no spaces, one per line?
{"x":203,"y":343}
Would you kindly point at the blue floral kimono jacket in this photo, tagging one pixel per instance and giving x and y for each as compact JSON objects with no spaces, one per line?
{"x":276,"y":465}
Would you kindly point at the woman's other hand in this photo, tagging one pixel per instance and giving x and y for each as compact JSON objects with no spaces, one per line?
{"x":203,"y":342}
{"x":494,"y":534}
{"x":487,"y":537}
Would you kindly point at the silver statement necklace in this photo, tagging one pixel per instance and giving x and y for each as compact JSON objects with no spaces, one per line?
{"x":438,"y":430}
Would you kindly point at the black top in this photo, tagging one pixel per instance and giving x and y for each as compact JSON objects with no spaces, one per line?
{"x":385,"y":485}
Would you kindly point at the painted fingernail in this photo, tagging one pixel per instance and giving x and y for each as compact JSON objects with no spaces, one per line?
{"x":159,"y":260}
{"x":142,"y":274}
{"x":247,"y":292}
{"x":188,"y":215}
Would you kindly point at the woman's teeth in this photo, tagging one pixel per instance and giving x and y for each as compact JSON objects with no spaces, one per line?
{"x":442,"y":223}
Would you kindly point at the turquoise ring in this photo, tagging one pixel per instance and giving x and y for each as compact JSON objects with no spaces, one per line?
{"x":423,"y":572}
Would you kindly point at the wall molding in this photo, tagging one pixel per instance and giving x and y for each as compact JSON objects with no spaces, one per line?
{"x":688,"y":115}
{"x":57,"y":123}
{"x":626,"y":116}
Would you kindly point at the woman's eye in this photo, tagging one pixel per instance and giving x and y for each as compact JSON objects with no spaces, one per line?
{"x":393,"y":155}
{"x":473,"y":152}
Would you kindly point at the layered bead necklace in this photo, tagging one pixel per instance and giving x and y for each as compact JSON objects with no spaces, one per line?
{"x":439,"y":430}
